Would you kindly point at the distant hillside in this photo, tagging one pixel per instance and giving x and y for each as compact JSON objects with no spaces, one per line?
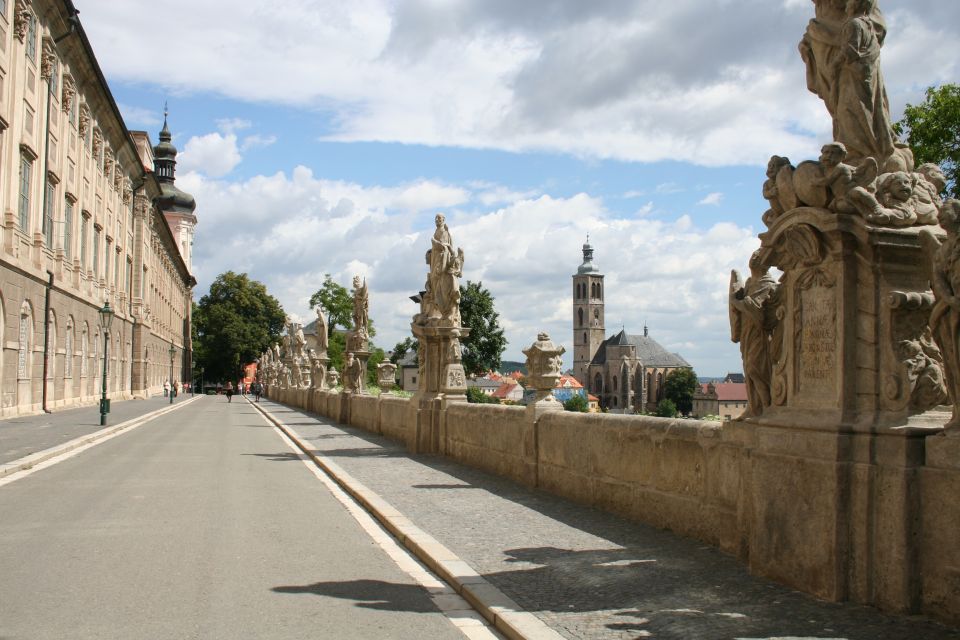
{"x":508,"y":366}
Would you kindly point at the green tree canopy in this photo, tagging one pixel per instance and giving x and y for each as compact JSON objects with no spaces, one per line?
{"x":235,"y":323}
{"x":402,"y":348}
{"x":337,"y":302}
{"x":666,"y":409}
{"x":484,"y":346}
{"x":932,"y":129}
{"x":577,"y":403}
{"x":679,"y":387}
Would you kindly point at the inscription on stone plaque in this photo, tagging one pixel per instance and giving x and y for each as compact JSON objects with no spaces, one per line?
{"x":817,"y":375}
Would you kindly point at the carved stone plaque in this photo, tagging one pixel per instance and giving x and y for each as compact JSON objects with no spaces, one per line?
{"x":817,"y":361}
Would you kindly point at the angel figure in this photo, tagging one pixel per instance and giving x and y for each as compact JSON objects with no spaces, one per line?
{"x":361,"y":306}
{"x":323,"y":337}
{"x":752,"y":320}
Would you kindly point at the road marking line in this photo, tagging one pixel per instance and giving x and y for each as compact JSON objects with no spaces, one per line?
{"x":28,"y":465}
{"x":457,"y":610}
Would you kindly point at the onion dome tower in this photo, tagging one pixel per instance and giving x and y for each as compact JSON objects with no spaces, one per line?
{"x":177,"y":206}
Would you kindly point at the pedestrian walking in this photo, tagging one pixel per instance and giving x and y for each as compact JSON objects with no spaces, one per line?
{"x":257,"y":390}
{"x":176,"y":388}
{"x":166,"y":388}
{"x":229,"y":391}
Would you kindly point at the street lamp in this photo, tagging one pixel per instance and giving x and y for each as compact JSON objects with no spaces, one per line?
{"x":106,"y":317}
{"x":173,"y":352}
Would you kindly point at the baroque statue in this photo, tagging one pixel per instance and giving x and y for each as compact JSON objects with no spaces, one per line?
{"x":323,"y":337}
{"x":945,"y":317}
{"x":752,"y":323}
{"x":361,"y":315}
{"x":441,"y":302}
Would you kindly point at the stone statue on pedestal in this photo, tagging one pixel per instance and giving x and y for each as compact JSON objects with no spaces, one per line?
{"x":323,"y":332}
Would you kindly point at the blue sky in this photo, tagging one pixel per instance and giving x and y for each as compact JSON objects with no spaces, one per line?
{"x":321,"y":137}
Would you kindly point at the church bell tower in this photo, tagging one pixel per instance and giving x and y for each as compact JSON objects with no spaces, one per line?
{"x":588,"y":327}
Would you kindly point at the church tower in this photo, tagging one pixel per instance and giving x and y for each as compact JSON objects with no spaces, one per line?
{"x":588,"y":327}
{"x":177,"y":206}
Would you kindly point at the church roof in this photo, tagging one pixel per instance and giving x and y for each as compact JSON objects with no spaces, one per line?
{"x":649,"y":352}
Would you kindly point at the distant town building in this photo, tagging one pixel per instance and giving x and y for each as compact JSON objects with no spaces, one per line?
{"x":509,"y":392}
{"x":625,"y":371}
{"x":728,"y":400}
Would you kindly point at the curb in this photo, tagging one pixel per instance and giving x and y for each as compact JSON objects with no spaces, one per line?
{"x":32,"y":460}
{"x":505,"y":615}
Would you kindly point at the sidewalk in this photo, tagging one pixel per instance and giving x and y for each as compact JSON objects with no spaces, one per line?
{"x":22,"y":436}
{"x":585,"y":573}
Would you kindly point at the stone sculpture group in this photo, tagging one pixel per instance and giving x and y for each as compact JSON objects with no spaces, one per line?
{"x":864,"y":322}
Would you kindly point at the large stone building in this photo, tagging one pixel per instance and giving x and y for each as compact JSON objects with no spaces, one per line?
{"x":626,"y":372}
{"x":81,"y":227}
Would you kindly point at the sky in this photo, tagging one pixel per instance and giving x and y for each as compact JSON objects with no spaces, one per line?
{"x":321,"y":137}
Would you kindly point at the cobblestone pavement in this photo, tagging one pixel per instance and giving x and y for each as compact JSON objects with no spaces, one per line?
{"x":586,"y":573}
{"x":24,"y":435}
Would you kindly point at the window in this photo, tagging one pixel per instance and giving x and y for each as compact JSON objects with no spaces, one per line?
{"x":96,"y":253}
{"x":83,"y":353}
{"x":31,"y":42}
{"x":68,"y":229}
{"x":26,"y":172}
{"x":26,"y":335}
{"x":68,"y":357}
{"x":48,"y":214}
{"x":84,"y":231}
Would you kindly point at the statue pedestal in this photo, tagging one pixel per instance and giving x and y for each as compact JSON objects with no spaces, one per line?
{"x":851,"y":339}
{"x":442,"y":381}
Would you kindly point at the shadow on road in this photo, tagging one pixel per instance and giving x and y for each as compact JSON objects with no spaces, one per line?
{"x":370,"y":594}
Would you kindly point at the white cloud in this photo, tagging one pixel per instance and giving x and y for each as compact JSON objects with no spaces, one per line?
{"x":289,"y":230}
{"x":427,"y":195}
{"x":257,"y":140}
{"x":214,"y":154}
{"x":713,"y":199}
{"x":135,"y":117}
{"x":232,"y":125}
{"x":606,"y":79}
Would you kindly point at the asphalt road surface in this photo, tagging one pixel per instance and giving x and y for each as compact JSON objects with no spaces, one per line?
{"x":201,"y":524}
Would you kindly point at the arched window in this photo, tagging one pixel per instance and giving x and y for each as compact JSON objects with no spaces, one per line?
{"x":660,"y":386}
{"x":615,"y":385}
{"x":580,"y":316}
{"x":25,"y":345}
{"x":650,"y":387}
{"x":599,"y":291}
{"x":584,"y":337}
{"x":593,"y":289}
{"x":598,"y":384}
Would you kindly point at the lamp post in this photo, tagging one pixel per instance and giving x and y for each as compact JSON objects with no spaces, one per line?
{"x":173,"y":352}
{"x":106,"y":317}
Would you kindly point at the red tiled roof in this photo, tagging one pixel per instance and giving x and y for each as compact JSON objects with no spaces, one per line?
{"x":569,"y":382}
{"x":504,"y":390}
{"x":731,"y":391}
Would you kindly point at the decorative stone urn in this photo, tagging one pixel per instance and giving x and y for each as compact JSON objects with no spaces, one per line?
{"x":543,"y":371}
{"x":386,"y":375}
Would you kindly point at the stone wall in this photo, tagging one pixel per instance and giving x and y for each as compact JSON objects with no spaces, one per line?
{"x":867,"y":517}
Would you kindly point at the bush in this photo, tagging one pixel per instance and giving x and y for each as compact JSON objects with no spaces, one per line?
{"x":666,"y":409}
{"x":577,"y":403}
{"x":475,"y":395}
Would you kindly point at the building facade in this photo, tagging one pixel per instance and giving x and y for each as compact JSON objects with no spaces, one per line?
{"x":80,"y":228}
{"x":625,"y":372}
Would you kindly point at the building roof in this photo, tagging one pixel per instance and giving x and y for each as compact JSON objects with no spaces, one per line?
{"x":734,"y":377}
{"x":649,"y":351}
{"x":569,"y":382}
{"x":504,"y":390}
{"x":726,"y":391}
{"x":484,"y":383}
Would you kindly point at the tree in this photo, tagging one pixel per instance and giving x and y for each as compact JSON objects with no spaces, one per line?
{"x":337,"y":301}
{"x":235,"y":323}
{"x":475,"y":395}
{"x":484,"y":346}
{"x":679,"y":387}
{"x":932,"y":130}
{"x":666,"y":409}
{"x":577,"y":403}
{"x":402,"y":348}
{"x":377,"y":355}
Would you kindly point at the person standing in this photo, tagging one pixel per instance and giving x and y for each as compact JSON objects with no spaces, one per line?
{"x":257,"y":390}
{"x":229,"y":390}
{"x":166,"y":388}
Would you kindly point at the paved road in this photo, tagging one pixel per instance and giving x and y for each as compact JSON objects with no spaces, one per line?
{"x":21,"y":436}
{"x":585,"y":573}
{"x":202,"y":524}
